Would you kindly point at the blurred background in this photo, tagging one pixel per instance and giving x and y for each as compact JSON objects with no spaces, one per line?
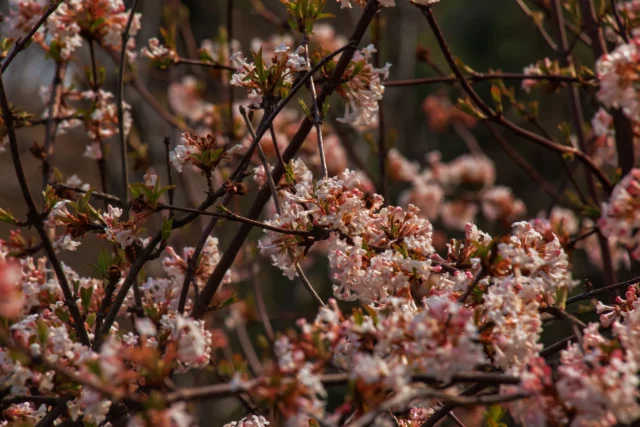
{"x":487,"y":35}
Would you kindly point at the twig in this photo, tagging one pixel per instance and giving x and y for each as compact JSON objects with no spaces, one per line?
{"x":479,"y":77}
{"x":556,"y":347}
{"x":37,"y":221}
{"x":120,"y":101}
{"x":229,"y":48}
{"x":167,"y":143}
{"x":54,"y":413}
{"x":317,"y":120}
{"x":237,"y":218}
{"x":448,"y":407}
{"x":525,"y":165}
{"x":21,"y":43}
{"x":559,"y":313}
{"x":382,"y":146}
{"x":51,"y":125}
{"x":245,"y":343}
{"x":260,"y":304}
{"x":590,"y":294}
{"x":621,"y":28}
{"x":212,"y":65}
{"x":543,"y":32}
{"x":96,"y":194}
{"x":406,"y":397}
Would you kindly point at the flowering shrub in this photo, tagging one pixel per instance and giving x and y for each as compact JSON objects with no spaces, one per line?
{"x":428,"y":313}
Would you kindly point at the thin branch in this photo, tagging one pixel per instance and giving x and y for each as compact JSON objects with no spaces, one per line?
{"x":274,"y":192}
{"x":245,"y":342}
{"x":167,"y":143}
{"x":590,"y":294}
{"x":543,"y":32}
{"x":207,"y":64}
{"x":621,"y":28}
{"x":405,"y":398}
{"x":51,"y":124}
{"x":237,"y":218}
{"x":22,"y":42}
{"x":479,"y":77}
{"x":382,"y":146}
{"x":525,"y":165}
{"x":448,"y":407}
{"x":222,"y":390}
{"x":37,"y":221}
{"x":123,"y":139}
{"x":96,"y":194}
{"x":54,"y":413}
{"x":561,"y":314}
{"x":317,"y":120}
{"x":193,"y":264}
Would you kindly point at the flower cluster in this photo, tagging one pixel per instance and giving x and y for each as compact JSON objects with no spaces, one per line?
{"x":596,"y":383}
{"x":205,"y":153}
{"x":620,"y":215}
{"x":618,"y":75}
{"x":270,"y":79}
{"x":73,"y":21}
{"x":362,"y":88}
{"x":468,"y":184}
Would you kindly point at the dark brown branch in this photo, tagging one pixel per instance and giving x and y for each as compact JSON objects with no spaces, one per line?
{"x":212,"y":65}
{"x":539,"y":25}
{"x":479,"y":77}
{"x":237,"y":218}
{"x":37,"y":221}
{"x":123,"y":139}
{"x":590,"y":294}
{"x":51,"y":124}
{"x":96,"y":194}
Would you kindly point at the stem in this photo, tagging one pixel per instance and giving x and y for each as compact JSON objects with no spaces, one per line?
{"x":539,"y":25}
{"x":51,"y":124}
{"x":591,"y":294}
{"x":237,"y":218}
{"x":167,"y":143}
{"x":382,"y":148}
{"x":96,"y":194}
{"x":37,"y":221}
{"x":479,"y":77}
{"x":212,"y":65}
{"x":120,"y":100}
{"x":230,"y":47}
{"x":193,"y":264}
{"x":317,"y":120}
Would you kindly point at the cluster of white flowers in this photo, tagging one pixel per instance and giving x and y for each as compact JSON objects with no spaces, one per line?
{"x":618,"y":75}
{"x":101,"y":20}
{"x":363,"y":88}
{"x":455,"y":191}
{"x":620,"y":218}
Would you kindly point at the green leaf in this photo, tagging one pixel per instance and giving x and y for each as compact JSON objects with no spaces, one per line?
{"x":465,"y":106}
{"x":167,"y":226}
{"x":7,"y":216}
{"x":42,"y":331}
{"x":496,"y":94}
{"x":85,"y":296}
